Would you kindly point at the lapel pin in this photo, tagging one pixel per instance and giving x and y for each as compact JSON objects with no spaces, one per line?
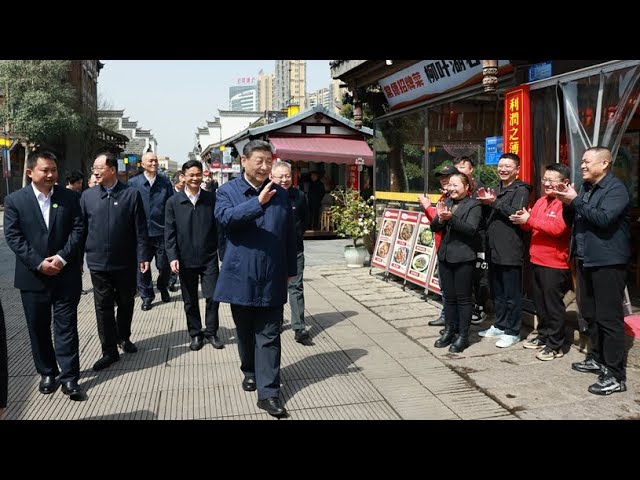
{"x":55,"y":205}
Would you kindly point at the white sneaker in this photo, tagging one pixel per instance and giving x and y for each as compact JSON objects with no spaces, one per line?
{"x":491,"y":332}
{"x":507,"y":341}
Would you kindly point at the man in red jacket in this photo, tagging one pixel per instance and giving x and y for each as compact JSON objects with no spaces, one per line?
{"x":549,"y":252}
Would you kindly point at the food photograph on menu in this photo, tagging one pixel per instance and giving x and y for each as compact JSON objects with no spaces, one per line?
{"x":425,"y":236}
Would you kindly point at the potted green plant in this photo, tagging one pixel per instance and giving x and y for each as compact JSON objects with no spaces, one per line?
{"x":353,"y":217}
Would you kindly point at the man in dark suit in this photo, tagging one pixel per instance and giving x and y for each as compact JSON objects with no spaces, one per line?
{"x":43,"y":226}
{"x":4,"y":365}
{"x":155,"y":189}
{"x":116,"y":247}
{"x":192,"y":247}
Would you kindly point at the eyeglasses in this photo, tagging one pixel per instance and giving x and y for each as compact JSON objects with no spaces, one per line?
{"x":98,"y":169}
{"x":552,"y":182}
{"x":282,"y":177}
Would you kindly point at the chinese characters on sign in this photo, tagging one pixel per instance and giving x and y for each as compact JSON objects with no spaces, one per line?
{"x":353,"y":177}
{"x":517,"y":130}
{"x":429,"y":78}
{"x":246,"y":80}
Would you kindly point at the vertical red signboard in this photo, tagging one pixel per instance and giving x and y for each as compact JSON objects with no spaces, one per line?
{"x":517,"y":128}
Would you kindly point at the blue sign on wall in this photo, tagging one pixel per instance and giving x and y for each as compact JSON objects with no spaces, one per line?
{"x":540,"y":71}
{"x":492,"y":150}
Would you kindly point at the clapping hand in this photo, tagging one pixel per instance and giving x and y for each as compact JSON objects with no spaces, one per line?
{"x":565,"y":193}
{"x":521,"y":216}
{"x":486,"y":195}
{"x":444,"y":213}
{"x":425,"y":202}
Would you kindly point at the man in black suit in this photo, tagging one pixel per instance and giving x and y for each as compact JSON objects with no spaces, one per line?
{"x":4,"y":364}
{"x":43,"y":226}
{"x":116,"y":225}
{"x":191,"y":240}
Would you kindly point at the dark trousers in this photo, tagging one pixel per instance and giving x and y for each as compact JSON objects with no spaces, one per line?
{"x":296,"y":296}
{"x":601,"y":297}
{"x":258,"y":331}
{"x":314,"y":215}
{"x":455,"y":280}
{"x":549,"y":287}
{"x":111,"y":288}
{"x":145,"y":281}
{"x":481,"y":282}
{"x":506,"y":285}
{"x":208,"y":276}
{"x":37,"y":310}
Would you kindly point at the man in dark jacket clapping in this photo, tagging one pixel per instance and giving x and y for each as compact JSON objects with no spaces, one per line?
{"x":601,"y":243}
{"x":505,"y":250}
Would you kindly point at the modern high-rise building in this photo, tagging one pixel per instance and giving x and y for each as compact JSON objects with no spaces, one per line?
{"x":243,"y":98}
{"x":320,"y":97}
{"x":336,"y":93}
{"x":290,"y":84}
{"x":265,"y":91}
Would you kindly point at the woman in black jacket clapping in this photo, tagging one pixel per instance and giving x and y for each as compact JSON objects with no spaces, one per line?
{"x":458,"y":218}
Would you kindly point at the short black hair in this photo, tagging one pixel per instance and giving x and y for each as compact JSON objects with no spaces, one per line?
{"x":112,"y":158}
{"x":464,"y":158}
{"x":190,"y":164}
{"x":561,"y":168}
{"x":254,"y":145}
{"x":74,"y":176}
{"x":32,"y":158}
{"x":511,"y":156}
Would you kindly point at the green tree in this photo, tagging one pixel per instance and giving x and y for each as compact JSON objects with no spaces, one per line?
{"x":40,"y":105}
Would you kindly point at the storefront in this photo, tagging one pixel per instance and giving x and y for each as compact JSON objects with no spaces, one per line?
{"x":317,"y":141}
{"x":438,"y":110}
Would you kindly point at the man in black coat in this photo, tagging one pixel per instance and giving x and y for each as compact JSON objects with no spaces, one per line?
{"x":116,"y":247}
{"x":4,"y":364}
{"x":281,"y":174}
{"x":191,"y":240}
{"x":601,"y":243}
{"x":43,"y":226}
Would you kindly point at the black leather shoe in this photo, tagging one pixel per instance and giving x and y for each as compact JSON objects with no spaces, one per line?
{"x":438,"y":322}
{"x":146,"y":305}
{"x":73,"y":390}
{"x":446,"y":339}
{"x":460,"y":344}
{"x":172,"y":287}
{"x":128,"y":346}
{"x":214,"y":340}
{"x":301,"y":336}
{"x":105,"y":361}
{"x":164,"y":294}
{"x":48,"y":384}
{"x":249,"y":384}
{"x":197,"y":343}
{"x":273,"y":407}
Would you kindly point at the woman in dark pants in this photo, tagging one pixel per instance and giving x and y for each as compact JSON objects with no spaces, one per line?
{"x":458,"y":219}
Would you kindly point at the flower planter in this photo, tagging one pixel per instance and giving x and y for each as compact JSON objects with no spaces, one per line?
{"x":355,"y":256}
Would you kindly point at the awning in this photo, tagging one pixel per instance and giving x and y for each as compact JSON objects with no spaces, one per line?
{"x":322,"y":149}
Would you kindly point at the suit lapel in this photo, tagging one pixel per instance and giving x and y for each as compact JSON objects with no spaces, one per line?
{"x":53,"y":210}
{"x":33,"y":201}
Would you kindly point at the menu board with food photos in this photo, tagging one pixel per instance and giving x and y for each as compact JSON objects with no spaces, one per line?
{"x":423,"y":253}
{"x":407,"y":228}
{"x":380,"y":257}
{"x":434,"y":281}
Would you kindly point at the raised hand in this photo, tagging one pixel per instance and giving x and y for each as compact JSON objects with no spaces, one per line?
{"x":424,"y":201}
{"x":486,"y":196}
{"x":266,"y":194}
{"x":566,"y":193}
{"x":521,"y":216}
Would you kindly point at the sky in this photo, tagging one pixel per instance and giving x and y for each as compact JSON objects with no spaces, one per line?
{"x":172,"y":98}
